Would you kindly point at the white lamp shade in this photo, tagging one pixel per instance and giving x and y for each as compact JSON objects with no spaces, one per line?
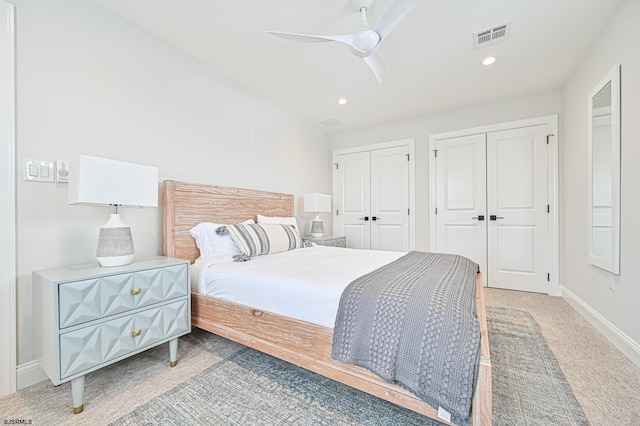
{"x":94,"y":180}
{"x":317,"y":203}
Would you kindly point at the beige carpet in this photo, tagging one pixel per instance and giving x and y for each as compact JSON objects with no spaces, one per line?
{"x":604,"y":381}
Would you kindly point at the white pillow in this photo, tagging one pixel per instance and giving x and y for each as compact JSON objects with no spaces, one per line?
{"x":211,"y":244}
{"x":280,"y":220}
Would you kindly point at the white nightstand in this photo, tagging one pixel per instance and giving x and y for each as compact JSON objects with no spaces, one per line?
{"x":327,"y":240}
{"x":87,"y":317}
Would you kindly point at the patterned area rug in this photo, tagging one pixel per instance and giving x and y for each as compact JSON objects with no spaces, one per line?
{"x":528,"y":386}
{"x":251,"y":388}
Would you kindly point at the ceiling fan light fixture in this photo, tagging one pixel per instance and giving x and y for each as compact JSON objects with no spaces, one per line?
{"x":365,"y":41}
{"x":342,"y":101}
{"x":489,"y":60}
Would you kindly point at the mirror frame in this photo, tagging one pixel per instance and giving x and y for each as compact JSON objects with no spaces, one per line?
{"x":611,"y":264}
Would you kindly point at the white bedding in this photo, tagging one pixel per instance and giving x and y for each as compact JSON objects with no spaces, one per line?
{"x":305,"y":284}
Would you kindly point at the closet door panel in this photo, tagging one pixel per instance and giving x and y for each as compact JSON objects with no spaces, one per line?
{"x":521,"y":257}
{"x":357,"y":236}
{"x":518,"y":240}
{"x":464,"y":240}
{"x":388,"y":237}
{"x":390,"y":199}
{"x":352,"y":199}
{"x":461,"y":198}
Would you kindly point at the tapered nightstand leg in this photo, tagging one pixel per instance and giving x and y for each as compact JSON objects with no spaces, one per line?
{"x":173,"y":352}
{"x":77,"y":393}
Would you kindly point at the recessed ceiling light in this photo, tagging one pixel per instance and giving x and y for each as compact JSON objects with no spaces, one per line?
{"x":342,"y":101}
{"x":488,"y":60}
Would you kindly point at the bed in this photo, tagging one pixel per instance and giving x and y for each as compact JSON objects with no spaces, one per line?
{"x":299,"y":342}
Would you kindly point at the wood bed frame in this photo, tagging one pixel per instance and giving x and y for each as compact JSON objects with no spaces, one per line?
{"x":298,"y":342}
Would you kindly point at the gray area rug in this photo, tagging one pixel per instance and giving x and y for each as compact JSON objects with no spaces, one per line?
{"x":528,"y":386}
{"x":251,"y":388}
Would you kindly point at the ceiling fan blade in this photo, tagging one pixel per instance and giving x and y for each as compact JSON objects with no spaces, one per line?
{"x":393,"y":15}
{"x":308,"y":38}
{"x":377,"y":65}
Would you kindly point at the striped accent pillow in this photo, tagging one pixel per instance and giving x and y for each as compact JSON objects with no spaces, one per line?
{"x":265,"y":238}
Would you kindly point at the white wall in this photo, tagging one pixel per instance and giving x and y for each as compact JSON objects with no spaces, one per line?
{"x":618,"y":308}
{"x":88,"y":82}
{"x":420,"y":128}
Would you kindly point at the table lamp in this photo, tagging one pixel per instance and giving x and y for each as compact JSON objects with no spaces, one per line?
{"x":318,"y":203}
{"x":100,"y":181}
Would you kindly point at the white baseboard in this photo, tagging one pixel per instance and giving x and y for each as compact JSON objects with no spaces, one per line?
{"x":620,"y":340}
{"x":29,"y":374}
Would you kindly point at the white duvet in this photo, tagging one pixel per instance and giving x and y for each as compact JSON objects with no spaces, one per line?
{"x":305,"y":284}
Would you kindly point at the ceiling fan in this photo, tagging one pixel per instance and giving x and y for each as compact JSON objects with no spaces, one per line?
{"x":365,"y":41}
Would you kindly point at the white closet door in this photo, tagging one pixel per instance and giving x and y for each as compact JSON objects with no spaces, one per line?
{"x":352,"y":199}
{"x":390,"y":199}
{"x":519,"y":240}
{"x":461,"y":198}
{"x":500,"y":177}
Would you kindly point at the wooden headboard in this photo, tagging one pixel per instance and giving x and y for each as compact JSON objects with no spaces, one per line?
{"x":187,"y":204}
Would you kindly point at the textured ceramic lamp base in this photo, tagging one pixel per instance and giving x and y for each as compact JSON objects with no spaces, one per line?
{"x":317,"y":229}
{"x":115,"y":244}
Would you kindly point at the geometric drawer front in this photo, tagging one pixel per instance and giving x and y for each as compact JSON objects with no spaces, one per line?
{"x":335,"y":242}
{"x":91,"y":346}
{"x":95,"y":298}
{"x":331,"y":242}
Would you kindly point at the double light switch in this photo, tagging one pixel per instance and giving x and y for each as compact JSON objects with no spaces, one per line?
{"x":45,"y":171}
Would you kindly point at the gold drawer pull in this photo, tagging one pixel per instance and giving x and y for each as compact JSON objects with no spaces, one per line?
{"x":137,"y":332}
{"x":135,"y":291}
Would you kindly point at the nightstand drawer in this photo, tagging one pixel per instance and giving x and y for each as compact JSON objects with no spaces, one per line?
{"x":88,"y":300}
{"x":328,"y":241}
{"x":89,"y":347}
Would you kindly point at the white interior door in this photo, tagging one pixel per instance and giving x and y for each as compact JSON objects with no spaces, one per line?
{"x":461,"y":198}
{"x":352,"y":199}
{"x":519,"y":239}
{"x":390,"y":199}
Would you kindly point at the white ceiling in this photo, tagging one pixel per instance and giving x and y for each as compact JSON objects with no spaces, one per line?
{"x":431,"y":64}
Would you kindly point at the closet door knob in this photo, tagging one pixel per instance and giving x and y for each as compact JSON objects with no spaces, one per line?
{"x":479,"y":217}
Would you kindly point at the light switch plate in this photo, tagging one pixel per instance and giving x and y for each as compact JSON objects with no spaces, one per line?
{"x":37,"y":171}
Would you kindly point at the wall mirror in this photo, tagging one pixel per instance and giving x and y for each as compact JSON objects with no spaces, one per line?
{"x":604,"y":173}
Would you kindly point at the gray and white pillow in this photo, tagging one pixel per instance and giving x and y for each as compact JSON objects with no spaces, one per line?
{"x":210,"y":243}
{"x":259,"y":239}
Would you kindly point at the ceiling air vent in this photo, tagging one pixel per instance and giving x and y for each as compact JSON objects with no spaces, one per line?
{"x":490,"y":36}
{"x":331,"y":122}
